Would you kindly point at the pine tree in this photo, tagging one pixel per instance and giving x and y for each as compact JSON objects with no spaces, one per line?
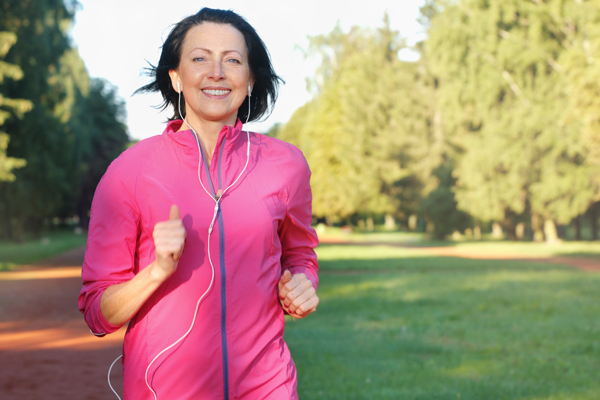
{"x":9,"y":107}
{"x":73,"y":131}
{"x":503,"y":95}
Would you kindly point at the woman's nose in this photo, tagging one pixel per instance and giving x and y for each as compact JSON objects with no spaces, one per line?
{"x":217,"y":71}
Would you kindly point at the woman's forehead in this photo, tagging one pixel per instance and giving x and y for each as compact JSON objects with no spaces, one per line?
{"x":213,"y":37}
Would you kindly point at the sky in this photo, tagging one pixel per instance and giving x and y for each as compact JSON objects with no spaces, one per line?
{"x":116,"y":39}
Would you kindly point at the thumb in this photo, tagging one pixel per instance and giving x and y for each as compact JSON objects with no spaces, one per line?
{"x":174,"y":213}
{"x":286,"y":277}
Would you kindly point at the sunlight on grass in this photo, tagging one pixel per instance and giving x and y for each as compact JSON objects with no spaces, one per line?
{"x":539,"y":249}
{"x":591,"y":249}
{"x":350,"y":252}
{"x":379,"y":235}
{"x":361,"y":258}
{"x":506,"y":276}
{"x":14,"y":254}
{"x":363,"y":288}
{"x":471,"y":369}
{"x":7,"y":266}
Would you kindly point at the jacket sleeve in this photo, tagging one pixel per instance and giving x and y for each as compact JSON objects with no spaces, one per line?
{"x":110,"y":250}
{"x":298,"y":238}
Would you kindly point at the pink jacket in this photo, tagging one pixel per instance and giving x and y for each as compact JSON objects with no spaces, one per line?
{"x":235,"y":349}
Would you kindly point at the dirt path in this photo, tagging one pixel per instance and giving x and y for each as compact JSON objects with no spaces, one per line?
{"x":47,"y":351}
{"x":586,"y":264}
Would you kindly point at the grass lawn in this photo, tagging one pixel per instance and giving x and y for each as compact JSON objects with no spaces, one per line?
{"x":570,"y":249}
{"x":14,"y":254}
{"x":430,"y":328}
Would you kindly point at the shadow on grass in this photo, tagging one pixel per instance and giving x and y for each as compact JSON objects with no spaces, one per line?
{"x":431,"y":264}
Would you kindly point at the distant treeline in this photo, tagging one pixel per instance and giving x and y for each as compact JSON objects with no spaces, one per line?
{"x":59,"y":129}
{"x":497,"y":124}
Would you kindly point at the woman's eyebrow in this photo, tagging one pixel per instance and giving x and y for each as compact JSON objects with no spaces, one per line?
{"x":211,"y":52}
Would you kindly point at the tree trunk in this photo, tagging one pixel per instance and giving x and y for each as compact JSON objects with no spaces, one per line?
{"x":477,"y":232}
{"x":577,"y":227}
{"x":370,"y":224}
{"x":7,"y":231}
{"x":550,"y":232}
{"x":390,"y":222}
{"x":19,"y":233}
{"x":593,"y":221}
{"x":520,"y":231}
{"x":497,"y":230}
{"x":538,"y":235}
{"x":509,"y":225}
{"x":329,"y":220}
{"x":412,"y":222}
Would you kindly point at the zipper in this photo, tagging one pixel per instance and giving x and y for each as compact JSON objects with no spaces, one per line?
{"x":223,"y":270}
{"x":223,"y":287}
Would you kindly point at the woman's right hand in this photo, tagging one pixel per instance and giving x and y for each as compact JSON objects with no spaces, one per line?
{"x":120,"y":302}
{"x":169,"y":239}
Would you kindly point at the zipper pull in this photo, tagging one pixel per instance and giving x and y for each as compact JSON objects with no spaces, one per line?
{"x":212,"y":223}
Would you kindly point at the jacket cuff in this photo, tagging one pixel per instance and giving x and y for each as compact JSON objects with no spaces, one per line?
{"x":308,"y":272}
{"x":98,"y":324}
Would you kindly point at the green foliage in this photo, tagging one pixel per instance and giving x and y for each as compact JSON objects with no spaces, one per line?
{"x":274,"y":130}
{"x":101,"y":116}
{"x":507,"y":92}
{"x":581,"y":67}
{"x":72,"y":133}
{"x":439,"y":206}
{"x":365,"y":125}
{"x":40,"y":188}
{"x":9,"y":106}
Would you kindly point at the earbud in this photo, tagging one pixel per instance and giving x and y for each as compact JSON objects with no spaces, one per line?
{"x":178,"y":87}
{"x":249,"y":91}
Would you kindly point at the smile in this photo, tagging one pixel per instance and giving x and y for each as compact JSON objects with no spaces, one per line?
{"x":216,"y":92}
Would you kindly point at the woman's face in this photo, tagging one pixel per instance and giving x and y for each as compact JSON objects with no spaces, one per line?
{"x":213,"y":73}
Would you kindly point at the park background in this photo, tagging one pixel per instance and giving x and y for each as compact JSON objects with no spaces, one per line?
{"x":455,"y":176}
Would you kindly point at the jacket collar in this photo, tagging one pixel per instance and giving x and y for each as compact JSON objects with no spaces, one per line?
{"x":186,"y":138}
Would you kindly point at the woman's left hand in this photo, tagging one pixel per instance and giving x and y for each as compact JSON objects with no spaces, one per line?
{"x":297,"y":295}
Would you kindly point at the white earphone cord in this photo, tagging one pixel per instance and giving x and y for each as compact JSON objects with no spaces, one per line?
{"x":210,"y":229}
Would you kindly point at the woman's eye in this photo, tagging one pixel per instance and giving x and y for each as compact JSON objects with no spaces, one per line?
{"x":198,"y":59}
{"x":233,"y":60}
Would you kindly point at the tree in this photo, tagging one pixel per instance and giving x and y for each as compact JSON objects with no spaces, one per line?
{"x":581,"y":67}
{"x":41,"y":186}
{"x":503,"y":92}
{"x":9,"y":106}
{"x":439,"y":206}
{"x":359,"y":131}
{"x":71,"y":134}
{"x":100,"y":134}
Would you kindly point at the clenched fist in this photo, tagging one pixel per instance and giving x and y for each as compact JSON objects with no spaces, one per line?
{"x":297,"y":295}
{"x":169,"y":239}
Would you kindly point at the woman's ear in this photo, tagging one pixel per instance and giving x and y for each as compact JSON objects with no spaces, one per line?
{"x":250,"y":85}
{"x":174,"y":75}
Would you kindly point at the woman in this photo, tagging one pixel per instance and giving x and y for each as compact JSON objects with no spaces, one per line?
{"x":201,"y":237}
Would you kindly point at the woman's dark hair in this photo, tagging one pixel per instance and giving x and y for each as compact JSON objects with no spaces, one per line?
{"x":266,"y":82}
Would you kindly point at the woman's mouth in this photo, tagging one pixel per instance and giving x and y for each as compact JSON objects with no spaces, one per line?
{"x":216,"y":92}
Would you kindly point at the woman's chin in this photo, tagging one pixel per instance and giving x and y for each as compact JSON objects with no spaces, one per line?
{"x":215,"y":117}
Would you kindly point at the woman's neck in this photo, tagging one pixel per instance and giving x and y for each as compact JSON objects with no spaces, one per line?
{"x":207,"y":132}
